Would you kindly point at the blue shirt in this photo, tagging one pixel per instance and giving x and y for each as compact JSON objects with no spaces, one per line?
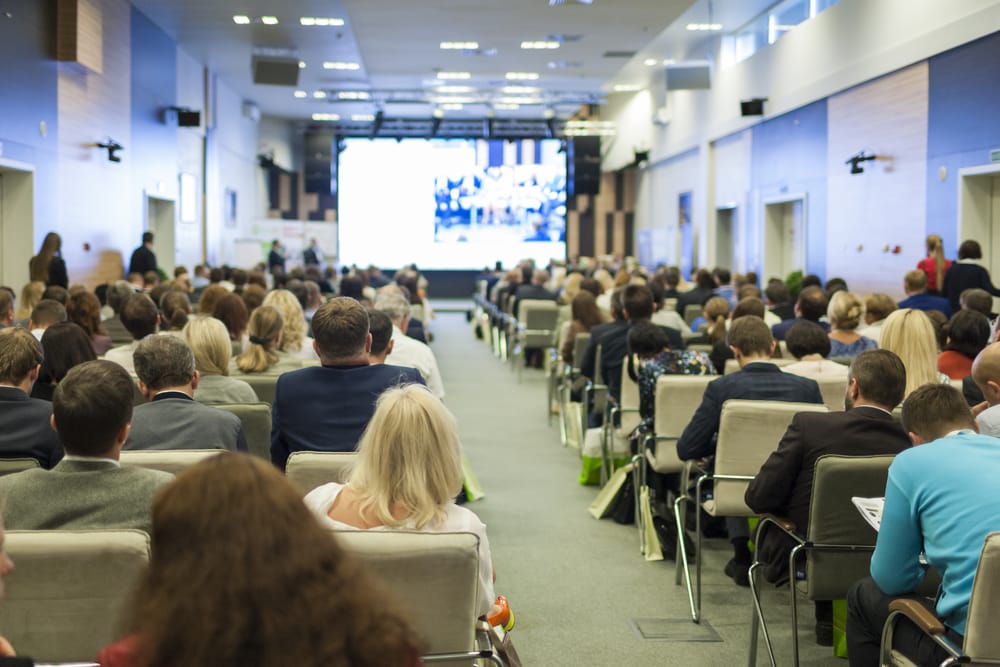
{"x":924,"y":301}
{"x":942,"y":499}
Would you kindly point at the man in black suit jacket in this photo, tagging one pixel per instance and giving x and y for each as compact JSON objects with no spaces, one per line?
{"x":811,"y":305}
{"x":783,"y":486}
{"x":25,"y":429}
{"x":534,"y":290}
{"x":758,"y":379}
{"x":326,"y":408}
{"x":143,"y":258}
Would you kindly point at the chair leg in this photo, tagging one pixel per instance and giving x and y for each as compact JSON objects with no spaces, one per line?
{"x":795,"y":604}
{"x":758,"y":618}
{"x":682,"y":558}
{"x":637,"y":496}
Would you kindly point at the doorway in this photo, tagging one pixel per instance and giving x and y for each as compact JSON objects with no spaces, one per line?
{"x":17,"y":221}
{"x":161,"y":220}
{"x":979,"y":214}
{"x":725,"y":221}
{"x":784,"y":248}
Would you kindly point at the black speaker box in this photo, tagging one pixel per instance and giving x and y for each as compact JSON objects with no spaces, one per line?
{"x":188,"y":118}
{"x":754,"y":107}
{"x":275,"y":71}
{"x":319,"y":163}
{"x":584,"y":166}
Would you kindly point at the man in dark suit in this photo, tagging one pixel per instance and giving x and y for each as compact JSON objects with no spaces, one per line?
{"x":915,"y":286}
{"x":703,"y":290}
{"x":171,"y":418}
{"x":25,"y":431}
{"x":811,"y":305}
{"x":326,"y":408}
{"x":534,"y":290}
{"x":143,"y":258}
{"x":875,"y":386}
{"x":779,"y":301}
{"x":758,"y":379}
{"x":276,"y":258}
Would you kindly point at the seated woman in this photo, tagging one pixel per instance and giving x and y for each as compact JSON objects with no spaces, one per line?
{"x":585,"y":316}
{"x":64,"y":346}
{"x":84,"y":309}
{"x":175,"y":309}
{"x":967,"y":333}
{"x":243,"y":574}
{"x":408,"y":472}
{"x":808,"y":343}
{"x":232,"y":312}
{"x":208,"y":339}
{"x":263,"y":353}
{"x":910,"y":334}
{"x":712,"y":323}
{"x":845,"y":312}
{"x":294,"y":338}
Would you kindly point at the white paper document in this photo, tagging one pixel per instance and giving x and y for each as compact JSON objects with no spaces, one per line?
{"x":871,"y":510}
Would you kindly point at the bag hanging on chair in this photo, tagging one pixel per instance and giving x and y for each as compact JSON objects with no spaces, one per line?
{"x":652,"y":550}
{"x":601,"y":507}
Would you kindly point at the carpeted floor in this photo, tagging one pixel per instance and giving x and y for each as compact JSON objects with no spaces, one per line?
{"x":575,"y":583}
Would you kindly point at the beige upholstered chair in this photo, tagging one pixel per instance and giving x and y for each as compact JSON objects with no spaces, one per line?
{"x":311,"y":469}
{"x":65,"y":596}
{"x":535,"y":327}
{"x":748,"y":432}
{"x":692,"y":311}
{"x":626,"y":413}
{"x":833,"y":390}
{"x":9,"y":466}
{"x":839,"y":542}
{"x":731,"y":365}
{"x":981,"y":645}
{"x":263,"y":385}
{"x":434,"y":574}
{"x":256,"y":420}
{"x":173,"y":461}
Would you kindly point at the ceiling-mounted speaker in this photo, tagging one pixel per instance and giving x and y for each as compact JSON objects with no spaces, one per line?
{"x":188,"y":118}
{"x":271,"y":71}
{"x":753,"y":107}
{"x":692,"y":75}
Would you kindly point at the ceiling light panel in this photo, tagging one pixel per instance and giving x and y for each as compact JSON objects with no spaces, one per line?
{"x":320,"y":22}
{"x":269,"y":20}
{"x":301,"y":93}
{"x":362,"y":117}
{"x":521,"y":76}
{"x":241,"y":19}
{"x":460,"y":46}
{"x":454,"y":76}
{"x":704,"y":27}
{"x":518,"y":90}
{"x":353,"y":95}
{"x":454,"y":89}
{"x":627,"y":88}
{"x":540,"y":45}
{"x":340,"y":65}
{"x":319,"y":94}
{"x":327,"y":117}
{"x":504,"y":106}
{"x":452,"y":107}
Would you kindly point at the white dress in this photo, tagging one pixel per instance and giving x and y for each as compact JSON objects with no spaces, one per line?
{"x":458,"y":519}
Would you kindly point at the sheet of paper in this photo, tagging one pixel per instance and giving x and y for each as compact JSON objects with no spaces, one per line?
{"x":871,"y":510}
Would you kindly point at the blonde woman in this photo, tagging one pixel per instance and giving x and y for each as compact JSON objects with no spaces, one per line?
{"x":209,"y":340}
{"x":408,"y":471}
{"x":263,"y":353}
{"x":910,"y":334}
{"x":845,"y":312}
{"x":293,"y":339}
{"x":934,"y":264}
{"x":31,"y":294}
{"x":714,"y":317}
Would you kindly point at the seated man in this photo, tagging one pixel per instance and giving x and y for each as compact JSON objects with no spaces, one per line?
{"x":810,"y":306}
{"x":118,"y":293}
{"x":141,"y":318}
{"x":24,"y":421}
{"x":915,"y":286}
{"x":407,"y":351}
{"x":758,"y":379}
{"x":171,"y":419}
{"x":91,"y":410}
{"x":326,"y":408}
{"x":986,"y":376}
{"x":941,"y":500}
{"x":875,"y":386}
{"x":380,"y":327}
{"x":46,"y":313}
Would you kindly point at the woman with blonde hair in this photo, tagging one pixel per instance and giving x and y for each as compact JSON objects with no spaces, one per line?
{"x":934,"y":264}
{"x":407,"y":474}
{"x":714,"y":317}
{"x":293,"y":339}
{"x":845,"y":312}
{"x":263,"y":353}
{"x":48,"y":266}
{"x":910,"y":334}
{"x":31,"y":294}
{"x":570,"y":288}
{"x":209,"y":340}
{"x":243,"y":574}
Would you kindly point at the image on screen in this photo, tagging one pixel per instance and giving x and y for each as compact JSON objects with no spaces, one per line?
{"x":451,"y":204}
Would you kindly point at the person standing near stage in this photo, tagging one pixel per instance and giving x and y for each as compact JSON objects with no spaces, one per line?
{"x":143,"y":258}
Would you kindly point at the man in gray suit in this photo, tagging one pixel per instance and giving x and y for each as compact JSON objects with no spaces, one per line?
{"x":172,"y":419}
{"x":91,"y":411}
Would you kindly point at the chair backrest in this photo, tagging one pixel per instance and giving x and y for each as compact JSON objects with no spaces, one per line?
{"x":579,"y":347}
{"x":538,"y":317}
{"x":981,"y":638}
{"x":307,"y":470}
{"x":173,"y":461}
{"x":692,"y":311}
{"x":628,"y":399}
{"x":66,"y":596}
{"x":263,"y":385}
{"x":833,"y":519}
{"x":256,"y":420}
{"x":748,"y":432}
{"x":417,"y":311}
{"x":8,"y":466}
{"x":677,"y":398}
{"x":669,"y":304}
{"x":436,"y":575}
{"x":833,"y":390}
{"x":732,"y":366}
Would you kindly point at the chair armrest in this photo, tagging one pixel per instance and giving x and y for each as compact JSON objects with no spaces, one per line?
{"x":784,"y":523}
{"x":919,"y":615}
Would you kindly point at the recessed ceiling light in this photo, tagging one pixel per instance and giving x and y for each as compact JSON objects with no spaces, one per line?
{"x":540,"y":45}
{"x":313,"y":21}
{"x":454,"y":106}
{"x":319,"y":94}
{"x":627,"y":88}
{"x":521,"y":76}
{"x":326,"y":116}
{"x":437,"y":113}
{"x":353,"y":95}
{"x":460,"y":46}
{"x":503,"y":106}
{"x":269,"y":20}
{"x":668,"y":61}
{"x":301,"y":93}
{"x":455,"y":100}
{"x":704,"y":26}
{"x":651,"y":62}
{"x":451,"y":76}
{"x":302,"y":64}
{"x":453,"y":89}
{"x":241,"y":19}
{"x":518,"y":90}
{"x":341,"y":65}
{"x":362,"y":117}
{"x":549,"y":113}
{"x":519,"y":100}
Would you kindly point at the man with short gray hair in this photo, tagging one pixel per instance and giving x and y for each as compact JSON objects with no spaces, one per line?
{"x":171,"y":419}
{"x":407,"y":351}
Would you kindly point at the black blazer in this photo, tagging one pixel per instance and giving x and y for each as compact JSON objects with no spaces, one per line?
{"x":25,"y":431}
{"x":961,"y":277}
{"x":143,"y":260}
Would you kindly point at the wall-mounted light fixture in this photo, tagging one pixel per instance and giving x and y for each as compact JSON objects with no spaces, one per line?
{"x":112,"y":147}
{"x":856,"y":160}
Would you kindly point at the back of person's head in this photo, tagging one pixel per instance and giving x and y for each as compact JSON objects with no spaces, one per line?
{"x":151,"y":278}
{"x":6,"y":305}
{"x":637,"y":302}
{"x":646,"y":340}
{"x":209,"y":298}
{"x":46,"y":313}
{"x":585,"y":311}
{"x":812,"y":303}
{"x":253,"y":296}
{"x":806,"y":338}
{"x":409,"y":455}
{"x":64,"y":346}
{"x":909,"y":334}
{"x":209,"y":341}
{"x":777,"y":292}
{"x":834,"y":285}
{"x":716,"y":309}
{"x":881,"y":377}
{"x":353,"y":287}
{"x":915,"y":281}
{"x":934,"y":410}
{"x":84,"y":309}
{"x":751,"y":336}
{"x":722,"y":275}
{"x":811,"y":280}
{"x":31,"y":294}
{"x":380,"y":327}
{"x":139,"y":316}
{"x":294,"y":331}
{"x":845,"y":310}
{"x":617,"y":306}
{"x":976,"y":299}
{"x":56,"y":293}
{"x":748,"y":305}
{"x":749,"y":290}
{"x":118,"y":293}
{"x":147,"y":237}
{"x":233,"y":313}
{"x":20,"y":354}
{"x":968,"y":332}
{"x":176,"y":307}
{"x":672,"y":277}
{"x":704,"y":279}
{"x":878,"y":306}
{"x":970,"y":250}
{"x":340,"y":328}
{"x":539,"y":277}
{"x":592,"y":286}
{"x":261,"y":351}
{"x":163,"y":361}
{"x":396,"y":306}
{"x":91,"y":406}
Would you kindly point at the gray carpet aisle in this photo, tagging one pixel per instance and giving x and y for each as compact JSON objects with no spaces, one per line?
{"x":576,"y":583}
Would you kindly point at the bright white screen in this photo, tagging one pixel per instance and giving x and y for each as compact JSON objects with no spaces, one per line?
{"x":450,"y":204}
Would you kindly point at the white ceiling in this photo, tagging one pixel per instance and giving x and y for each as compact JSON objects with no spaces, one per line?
{"x":396,"y":43}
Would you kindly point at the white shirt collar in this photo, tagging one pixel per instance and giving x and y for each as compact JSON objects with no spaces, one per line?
{"x":92,"y":459}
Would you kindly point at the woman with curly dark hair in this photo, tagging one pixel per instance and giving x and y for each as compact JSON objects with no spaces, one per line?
{"x":243,"y":574}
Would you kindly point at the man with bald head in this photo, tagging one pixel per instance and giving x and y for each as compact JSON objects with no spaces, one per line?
{"x":986,"y":374}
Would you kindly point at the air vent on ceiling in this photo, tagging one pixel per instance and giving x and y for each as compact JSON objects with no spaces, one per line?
{"x":563,"y":39}
{"x":619,"y":54}
{"x":275,"y":71}
{"x":563,"y":64}
{"x":566,"y":3}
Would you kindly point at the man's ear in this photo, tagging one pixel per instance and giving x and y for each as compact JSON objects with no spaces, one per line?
{"x":388,"y":348}
{"x":195,"y":379}
{"x":774,"y":344}
{"x":33,"y":373}
{"x":52,"y":423}
{"x":315,"y":347}
{"x":915,"y":439}
{"x":123,"y":434}
{"x":146,"y":392}
{"x":368,"y":343}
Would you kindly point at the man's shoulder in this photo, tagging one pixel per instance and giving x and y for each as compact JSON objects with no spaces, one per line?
{"x":396,"y":374}
{"x":143,"y":476}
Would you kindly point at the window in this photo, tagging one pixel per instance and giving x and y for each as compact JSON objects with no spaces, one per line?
{"x":767,"y":28}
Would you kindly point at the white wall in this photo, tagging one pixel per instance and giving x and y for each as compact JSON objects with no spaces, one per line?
{"x":190,"y":151}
